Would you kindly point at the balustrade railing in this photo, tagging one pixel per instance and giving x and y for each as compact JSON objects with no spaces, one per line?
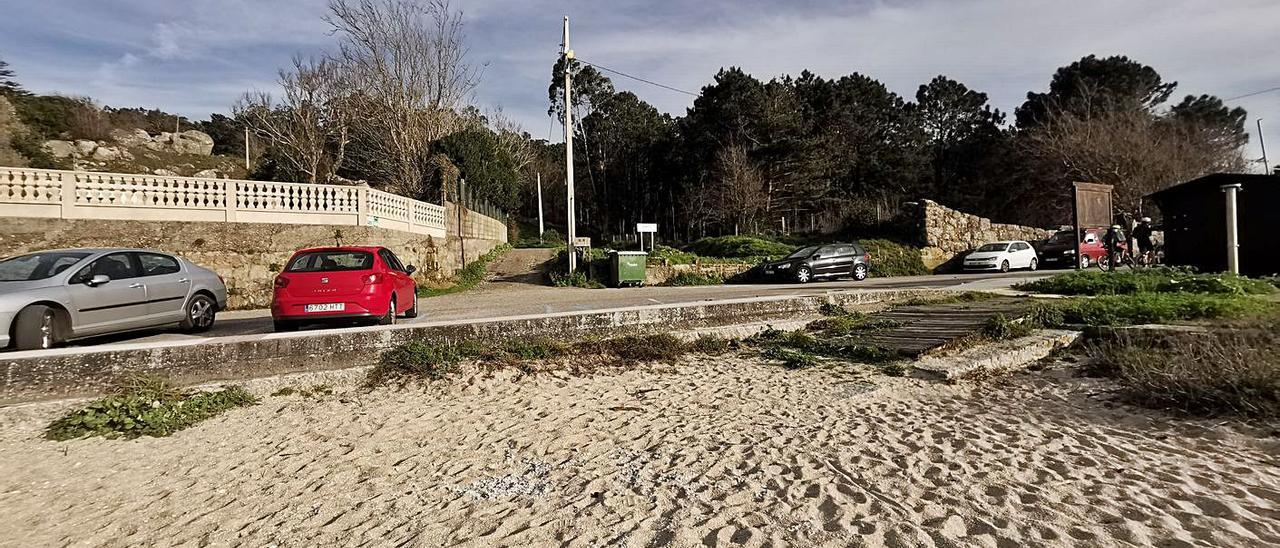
{"x":91,"y":195}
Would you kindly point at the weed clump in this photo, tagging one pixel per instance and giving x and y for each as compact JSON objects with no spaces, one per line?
{"x":712,"y":345}
{"x":694,"y":278}
{"x":1000,"y":328}
{"x":1155,"y":280}
{"x":790,"y":358}
{"x":417,"y":359}
{"x":146,"y":407}
{"x":470,"y":275}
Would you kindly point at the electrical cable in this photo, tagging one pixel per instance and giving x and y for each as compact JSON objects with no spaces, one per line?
{"x":650,"y":82}
{"x":1260,"y":92}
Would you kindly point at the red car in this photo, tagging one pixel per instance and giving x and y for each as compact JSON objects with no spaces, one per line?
{"x":352,"y":283}
{"x":1057,"y":250}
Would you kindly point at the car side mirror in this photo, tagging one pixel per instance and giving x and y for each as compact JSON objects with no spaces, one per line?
{"x":98,"y":280}
{"x":410,"y":269}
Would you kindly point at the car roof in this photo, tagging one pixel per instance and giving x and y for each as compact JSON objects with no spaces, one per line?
{"x":368,"y":248}
{"x":97,"y":250}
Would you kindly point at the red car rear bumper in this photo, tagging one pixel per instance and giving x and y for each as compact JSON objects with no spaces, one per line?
{"x":371,"y":303}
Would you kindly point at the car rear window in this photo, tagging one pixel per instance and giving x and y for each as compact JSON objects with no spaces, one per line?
{"x":331,"y":261}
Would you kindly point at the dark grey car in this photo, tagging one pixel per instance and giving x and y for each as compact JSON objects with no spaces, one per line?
{"x":822,"y":262}
{"x":52,"y":296}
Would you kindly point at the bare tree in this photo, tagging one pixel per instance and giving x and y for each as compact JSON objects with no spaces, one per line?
{"x":408,"y":61}
{"x":310,"y":126}
{"x":739,"y":188}
{"x":512,"y":138}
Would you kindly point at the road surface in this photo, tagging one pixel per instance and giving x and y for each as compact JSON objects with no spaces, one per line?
{"x":510,"y":295}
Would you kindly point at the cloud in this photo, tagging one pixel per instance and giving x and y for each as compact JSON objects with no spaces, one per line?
{"x":192,"y":57}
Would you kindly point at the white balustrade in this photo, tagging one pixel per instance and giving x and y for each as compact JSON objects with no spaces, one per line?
{"x":91,"y":195}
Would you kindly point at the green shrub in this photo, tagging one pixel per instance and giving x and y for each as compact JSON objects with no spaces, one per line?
{"x":534,"y":349}
{"x":833,"y":309}
{"x":1143,"y":308}
{"x":739,"y":247}
{"x":711,"y":345}
{"x":1046,"y":315}
{"x":645,"y":348}
{"x":694,"y":278}
{"x":790,"y":358}
{"x":550,"y":239}
{"x":889,"y":258}
{"x":1227,"y":371}
{"x":1155,"y":280}
{"x":146,"y":407}
{"x":1000,"y":328}
{"x":418,"y":359}
{"x":670,"y":255}
{"x":577,"y":279}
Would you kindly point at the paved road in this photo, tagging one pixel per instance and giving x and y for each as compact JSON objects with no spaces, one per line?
{"x":512,"y":296}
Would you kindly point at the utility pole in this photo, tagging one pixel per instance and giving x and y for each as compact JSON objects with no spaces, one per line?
{"x":568,"y":148}
{"x":246,"y":149}
{"x":541,"y":228}
{"x":1266,"y":166}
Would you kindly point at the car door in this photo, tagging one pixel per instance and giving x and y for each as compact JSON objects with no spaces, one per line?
{"x":843,"y":261}
{"x":1028,"y":255}
{"x":403,"y":283}
{"x":825,"y":257}
{"x":119,"y":304}
{"x":167,"y":286}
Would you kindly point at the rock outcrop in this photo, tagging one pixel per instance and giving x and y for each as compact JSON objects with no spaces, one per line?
{"x":191,"y":142}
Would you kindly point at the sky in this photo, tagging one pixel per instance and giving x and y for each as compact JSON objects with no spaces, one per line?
{"x":195,"y":57}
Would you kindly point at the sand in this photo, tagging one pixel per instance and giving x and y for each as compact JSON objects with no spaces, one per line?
{"x":711,"y":452}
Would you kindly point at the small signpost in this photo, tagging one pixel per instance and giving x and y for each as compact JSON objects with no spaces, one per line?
{"x":647,"y":228}
{"x":582,"y":241}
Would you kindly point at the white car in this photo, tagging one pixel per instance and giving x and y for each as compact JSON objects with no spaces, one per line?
{"x":1002,"y":256}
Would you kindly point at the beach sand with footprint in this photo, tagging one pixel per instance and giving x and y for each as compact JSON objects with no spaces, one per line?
{"x":713,"y":451}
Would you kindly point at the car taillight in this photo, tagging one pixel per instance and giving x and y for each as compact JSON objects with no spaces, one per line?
{"x":281,"y":282}
{"x":372,"y":278}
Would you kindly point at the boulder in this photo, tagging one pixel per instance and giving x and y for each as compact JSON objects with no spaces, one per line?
{"x":165,"y":172}
{"x":60,"y":149}
{"x":84,"y":147}
{"x":134,"y":138}
{"x":208,"y":174}
{"x":107,"y":154}
{"x":193,"y":142}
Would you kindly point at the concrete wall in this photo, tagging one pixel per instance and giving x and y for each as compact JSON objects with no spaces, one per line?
{"x":945,"y":233}
{"x":248,"y":255}
{"x":89,"y":371}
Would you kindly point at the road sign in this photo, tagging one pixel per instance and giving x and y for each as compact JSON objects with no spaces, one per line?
{"x":646,"y":227}
{"x":582,"y":242}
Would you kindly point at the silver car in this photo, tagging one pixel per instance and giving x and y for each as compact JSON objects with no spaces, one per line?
{"x":54,"y":296}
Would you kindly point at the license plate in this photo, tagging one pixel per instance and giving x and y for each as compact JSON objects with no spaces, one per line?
{"x":327,"y":307}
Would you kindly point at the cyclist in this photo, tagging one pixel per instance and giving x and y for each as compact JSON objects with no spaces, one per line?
{"x":1113,"y":241}
{"x":1142,"y":239}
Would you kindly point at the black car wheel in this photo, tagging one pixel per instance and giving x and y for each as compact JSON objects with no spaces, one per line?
{"x":860,"y":272}
{"x":36,"y":327}
{"x":1035,"y":264}
{"x":1084,"y":261}
{"x":1004,"y":266}
{"x":200,"y":314}
{"x":803,"y":275}
{"x":413,"y":310}
{"x":390,"y":317}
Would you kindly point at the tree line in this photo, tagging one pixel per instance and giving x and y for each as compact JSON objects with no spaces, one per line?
{"x":808,"y":152}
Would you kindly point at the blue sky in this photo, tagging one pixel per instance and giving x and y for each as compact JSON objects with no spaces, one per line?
{"x":196,"y":56}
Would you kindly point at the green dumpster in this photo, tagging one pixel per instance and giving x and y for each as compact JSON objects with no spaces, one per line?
{"x":627,"y":268}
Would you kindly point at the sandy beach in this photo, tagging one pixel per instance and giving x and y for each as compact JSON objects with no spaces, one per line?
{"x":720,"y":451}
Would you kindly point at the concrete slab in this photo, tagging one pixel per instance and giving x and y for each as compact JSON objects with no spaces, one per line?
{"x":996,"y":357}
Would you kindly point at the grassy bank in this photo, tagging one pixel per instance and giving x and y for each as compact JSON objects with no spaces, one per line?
{"x":469,"y":276}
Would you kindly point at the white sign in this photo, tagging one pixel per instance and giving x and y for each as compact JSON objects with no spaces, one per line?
{"x":646,"y":227}
{"x":581,"y":242}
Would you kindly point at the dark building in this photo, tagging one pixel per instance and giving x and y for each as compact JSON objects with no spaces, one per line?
{"x":1195,"y":223}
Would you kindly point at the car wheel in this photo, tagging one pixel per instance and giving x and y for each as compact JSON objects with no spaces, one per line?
{"x":200,"y":314}
{"x":859,"y":272}
{"x":390,"y":317}
{"x":803,"y":275}
{"x":285,"y":326}
{"x":413,"y":310}
{"x":1103,"y":263}
{"x":1035,"y":264}
{"x":1004,"y":266}
{"x":36,"y":327}
{"x":1084,"y":261}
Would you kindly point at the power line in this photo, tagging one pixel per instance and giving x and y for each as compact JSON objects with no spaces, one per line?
{"x":650,"y":82}
{"x":1268,"y":90}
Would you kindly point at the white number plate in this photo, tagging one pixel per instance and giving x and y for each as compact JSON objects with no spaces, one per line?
{"x":327,"y":307}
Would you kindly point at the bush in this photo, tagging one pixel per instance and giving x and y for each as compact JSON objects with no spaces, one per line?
{"x":889,"y":258}
{"x":550,"y":239}
{"x":1000,"y":328}
{"x":694,"y":278}
{"x":418,"y":359}
{"x":146,"y":407}
{"x":711,"y":345}
{"x":741,"y":247}
{"x":645,"y":348}
{"x":577,"y":279}
{"x":1231,"y":371}
{"x":790,"y":358}
{"x":670,"y":255}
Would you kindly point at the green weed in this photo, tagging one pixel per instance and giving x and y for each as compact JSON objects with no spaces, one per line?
{"x":146,"y":407}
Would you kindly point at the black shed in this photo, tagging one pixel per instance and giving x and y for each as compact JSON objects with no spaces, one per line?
{"x":1195,"y":220}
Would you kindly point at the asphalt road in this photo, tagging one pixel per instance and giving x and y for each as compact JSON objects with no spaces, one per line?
{"x":499,"y":298}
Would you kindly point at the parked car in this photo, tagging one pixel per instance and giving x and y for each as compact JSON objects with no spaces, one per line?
{"x":50,"y":297}
{"x":1002,"y":256}
{"x":1059,"y":250}
{"x":347,"y":283}
{"x":824,"y":261}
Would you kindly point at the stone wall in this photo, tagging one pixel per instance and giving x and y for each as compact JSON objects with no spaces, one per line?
{"x":945,"y":233}
{"x":248,"y":255}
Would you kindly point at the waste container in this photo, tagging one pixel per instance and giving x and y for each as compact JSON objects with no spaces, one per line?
{"x":627,"y":268}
